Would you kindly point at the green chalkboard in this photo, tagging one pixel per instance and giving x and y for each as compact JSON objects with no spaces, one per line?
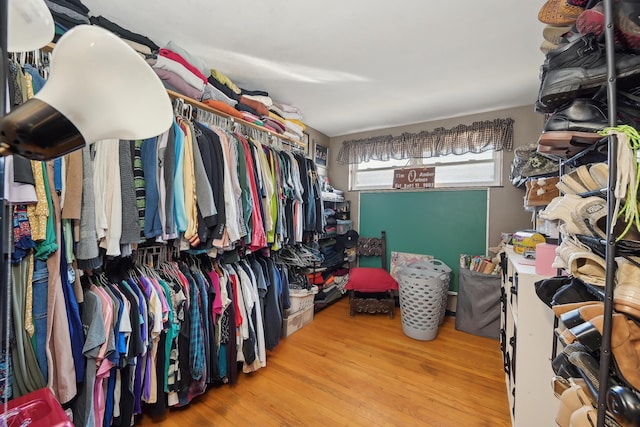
{"x":444,"y":224}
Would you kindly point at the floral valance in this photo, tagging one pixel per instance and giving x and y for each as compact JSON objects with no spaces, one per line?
{"x":474,"y":138}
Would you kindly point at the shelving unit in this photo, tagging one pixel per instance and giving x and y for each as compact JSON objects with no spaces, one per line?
{"x":610,"y":242}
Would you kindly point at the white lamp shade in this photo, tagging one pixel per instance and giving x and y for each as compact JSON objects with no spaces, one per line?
{"x":30,"y":25}
{"x":98,"y":88}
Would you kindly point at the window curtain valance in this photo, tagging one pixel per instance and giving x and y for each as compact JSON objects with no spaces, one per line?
{"x":475,"y":138}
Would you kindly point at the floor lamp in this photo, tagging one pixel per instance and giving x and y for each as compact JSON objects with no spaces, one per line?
{"x":71,"y":110}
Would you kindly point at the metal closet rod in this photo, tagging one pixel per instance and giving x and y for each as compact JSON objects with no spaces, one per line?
{"x":205,"y":107}
{"x":605,"y":348}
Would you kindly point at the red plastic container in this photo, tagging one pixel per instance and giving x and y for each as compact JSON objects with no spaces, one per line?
{"x":37,"y":409}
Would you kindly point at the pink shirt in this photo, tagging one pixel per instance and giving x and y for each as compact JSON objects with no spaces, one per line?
{"x":104,"y":364}
{"x":178,"y":58}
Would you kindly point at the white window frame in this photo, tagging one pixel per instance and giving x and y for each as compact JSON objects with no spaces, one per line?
{"x":497,"y":160}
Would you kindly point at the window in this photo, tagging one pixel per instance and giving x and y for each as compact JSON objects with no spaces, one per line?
{"x":465,"y":170}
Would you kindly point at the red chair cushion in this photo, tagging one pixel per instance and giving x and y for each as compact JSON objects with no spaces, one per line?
{"x":370,"y":279}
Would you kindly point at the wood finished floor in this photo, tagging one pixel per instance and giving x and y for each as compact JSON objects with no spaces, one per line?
{"x":361,"y":371}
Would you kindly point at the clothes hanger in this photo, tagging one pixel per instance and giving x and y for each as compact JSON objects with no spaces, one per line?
{"x":178,"y":106}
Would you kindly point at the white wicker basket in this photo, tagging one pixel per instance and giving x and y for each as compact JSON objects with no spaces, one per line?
{"x":423,"y":298}
{"x":301,"y":299}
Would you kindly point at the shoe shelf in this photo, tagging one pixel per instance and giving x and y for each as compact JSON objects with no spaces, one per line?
{"x":570,"y":78}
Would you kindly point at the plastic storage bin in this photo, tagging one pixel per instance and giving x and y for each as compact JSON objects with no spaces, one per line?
{"x":301,"y":299}
{"x":423,"y":289}
{"x":296,"y":321}
{"x":36,"y":409}
{"x":343,"y":225}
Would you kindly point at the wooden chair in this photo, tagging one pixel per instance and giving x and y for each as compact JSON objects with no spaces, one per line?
{"x":371,"y":288}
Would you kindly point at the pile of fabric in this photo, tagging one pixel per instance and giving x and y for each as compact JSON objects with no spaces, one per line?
{"x":188,"y":75}
{"x":67,"y":14}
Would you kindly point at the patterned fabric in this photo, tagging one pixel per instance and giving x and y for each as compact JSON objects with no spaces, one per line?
{"x":15,"y":85}
{"x":139,"y":184}
{"x":21,"y":227}
{"x":475,"y":138}
{"x":6,"y":375}
{"x":224,"y":327}
{"x":173,"y":368}
{"x":130,"y":221}
{"x":39,"y":212}
{"x":196,"y":339}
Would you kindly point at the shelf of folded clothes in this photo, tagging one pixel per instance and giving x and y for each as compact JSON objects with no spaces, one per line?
{"x":221,"y":109}
{"x":329,"y":196}
{"x":188,"y":77}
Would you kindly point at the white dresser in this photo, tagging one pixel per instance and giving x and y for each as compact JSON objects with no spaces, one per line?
{"x":526,"y":339}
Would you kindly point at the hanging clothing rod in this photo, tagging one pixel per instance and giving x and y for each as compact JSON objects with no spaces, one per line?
{"x":289,"y":141}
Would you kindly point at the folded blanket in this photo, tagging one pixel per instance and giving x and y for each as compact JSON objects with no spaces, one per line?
{"x":222,"y":78}
{"x":73,"y":4}
{"x":285,"y":114}
{"x":293,"y":127}
{"x":178,"y":58}
{"x":176,"y":67}
{"x":221,"y":106}
{"x":288,"y":108}
{"x":228,"y":92}
{"x":243,"y":107}
{"x":211,"y":92}
{"x":195,"y":61}
{"x":178,"y":84}
{"x":266,"y":100}
{"x":276,"y":125}
{"x":299,"y":123}
{"x":252,"y":118}
{"x":253,"y":92}
{"x":68,"y":11}
{"x":258,"y":106}
{"x":122,"y":32}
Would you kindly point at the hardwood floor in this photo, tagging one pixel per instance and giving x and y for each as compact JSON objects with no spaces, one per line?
{"x":361,"y":371}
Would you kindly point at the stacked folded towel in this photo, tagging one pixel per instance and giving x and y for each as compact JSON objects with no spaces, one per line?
{"x":67,"y":14}
{"x":137,"y":41}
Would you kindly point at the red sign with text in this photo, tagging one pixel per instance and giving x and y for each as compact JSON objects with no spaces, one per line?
{"x":414,"y":178}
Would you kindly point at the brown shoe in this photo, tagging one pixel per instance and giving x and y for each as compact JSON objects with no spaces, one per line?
{"x":625,"y":344}
{"x":574,"y":314}
{"x":550,"y":14}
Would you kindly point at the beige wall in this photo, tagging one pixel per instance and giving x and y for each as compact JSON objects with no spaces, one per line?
{"x":506,"y":212}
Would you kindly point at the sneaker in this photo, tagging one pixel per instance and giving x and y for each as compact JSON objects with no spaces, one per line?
{"x":553,"y":34}
{"x":627,"y":19}
{"x":581,"y":215}
{"x":570,"y":10}
{"x":626,"y":30}
{"x":547,"y":46}
{"x":579,"y":69}
{"x":550,"y":14}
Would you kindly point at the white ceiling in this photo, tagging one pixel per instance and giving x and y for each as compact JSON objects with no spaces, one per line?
{"x":356,"y":65}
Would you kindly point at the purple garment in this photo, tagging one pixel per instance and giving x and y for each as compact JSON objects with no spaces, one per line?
{"x":178,"y":83}
{"x":146,"y":385}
